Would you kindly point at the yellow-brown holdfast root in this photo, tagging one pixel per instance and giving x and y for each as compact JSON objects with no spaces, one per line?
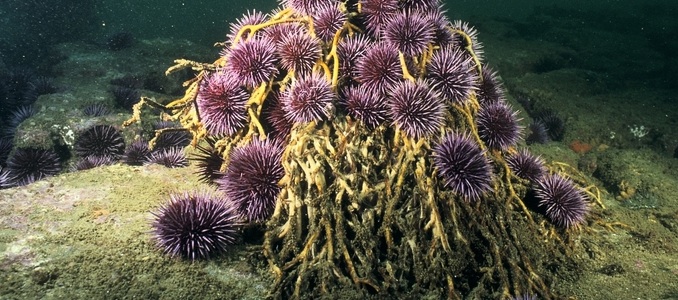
{"x":361,"y":211}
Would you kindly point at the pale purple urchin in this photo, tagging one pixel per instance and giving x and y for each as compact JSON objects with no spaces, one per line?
{"x":463,"y":166}
{"x":472,"y":33}
{"x":366,"y":105}
{"x":420,"y":5}
{"x":195,"y":225}
{"x":298,"y":52}
{"x":451,"y":73}
{"x":526,"y":165}
{"x":327,"y":20}
{"x":408,"y":31}
{"x":252,"y":62}
{"x":250,"y":18}
{"x":416,"y":109}
{"x":251,"y":178}
{"x":564,"y":203}
{"x":379,"y":68}
{"x":307,"y":7}
{"x":278,"y":31}
{"x":309,"y":98}
{"x":498,"y":126}
{"x":376,"y":13}
{"x":222,"y":104}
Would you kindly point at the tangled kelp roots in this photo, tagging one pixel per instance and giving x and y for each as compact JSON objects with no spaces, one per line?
{"x":364,"y":208}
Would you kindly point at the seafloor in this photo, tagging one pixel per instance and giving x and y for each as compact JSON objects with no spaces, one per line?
{"x":85,"y":234}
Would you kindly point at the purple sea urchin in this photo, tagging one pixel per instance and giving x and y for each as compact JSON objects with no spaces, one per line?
{"x":379,"y":68}
{"x":377,"y":13}
{"x":416,"y":109}
{"x":350,"y":50}
{"x":90,"y":162}
{"x":99,"y":140}
{"x":249,"y":18}
{"x":125,"y":97}
{"x":498,"y":126}
{"x":136,"y":154}
{"x":251,"y":178}
{"x":526,"y":165}
{"x":27,"y":165}
{"x":96,"y":109}
{"x":451,"y":74}
{"x":221,"y":103}
{"x":491,"y":89}
{"x":252,"y":62}
{"x":410,"y":32}
{"x":327,"y":20}
{"x":298,"y":52}
{"x":209,"y":161}
{"x":172,"y":157}
{"x":463,"y":166}
{"x":366,"y":105}
{"x":309,"y":98}
{"x":195,"y":225}
{"x":537,"y":133}
{"x":564,"y":203}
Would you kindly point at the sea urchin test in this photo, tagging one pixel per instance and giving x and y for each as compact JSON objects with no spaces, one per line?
{"x":375,"y":143}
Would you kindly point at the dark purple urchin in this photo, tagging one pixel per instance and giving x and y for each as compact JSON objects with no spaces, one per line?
{"x":416,"y":109}
{"x":96,"y":109}
{"x":409,"y":31}
{"x":564,"y":203}
{"x":100,"y":140}
{"x":208,"y":160}
{"x":5,"y":178}
{"x":555,"y":126}
{"x":136,"y":154}
{"x":442,"y":35}
{"x":537,"y":133}
{"x":173,"y":135}
{"x":275,"y":116}
{"x":327,"y":20}
{"x":309,"y":98}
{"x":19,"y":115}
{"x":173,"y":157}
{"x":379,"y":68}
{"x":195,"y":225}
{"x":125,"y":97}
{"x":451,"y":73}
{"x":376,"y":13}
{"x":491,"y":89}
{"x":6,"y":145}
{"x":498,"y":126}
{"x":526,"y":165}
{"x":463,"y":166}
{"x":366,"y":105}
{"x":28,"y":164}
{"x":252,"y":176}
{"x":298,"y":52}
{"x":222,"y":104}
{"x":252,"y":62}
{"x":91,"y":162}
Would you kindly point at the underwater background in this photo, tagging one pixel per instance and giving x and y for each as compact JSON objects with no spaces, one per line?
{"x":606,"y":69}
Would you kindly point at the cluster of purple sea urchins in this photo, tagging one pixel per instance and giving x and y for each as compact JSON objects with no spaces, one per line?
{"x":274,"y":116}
